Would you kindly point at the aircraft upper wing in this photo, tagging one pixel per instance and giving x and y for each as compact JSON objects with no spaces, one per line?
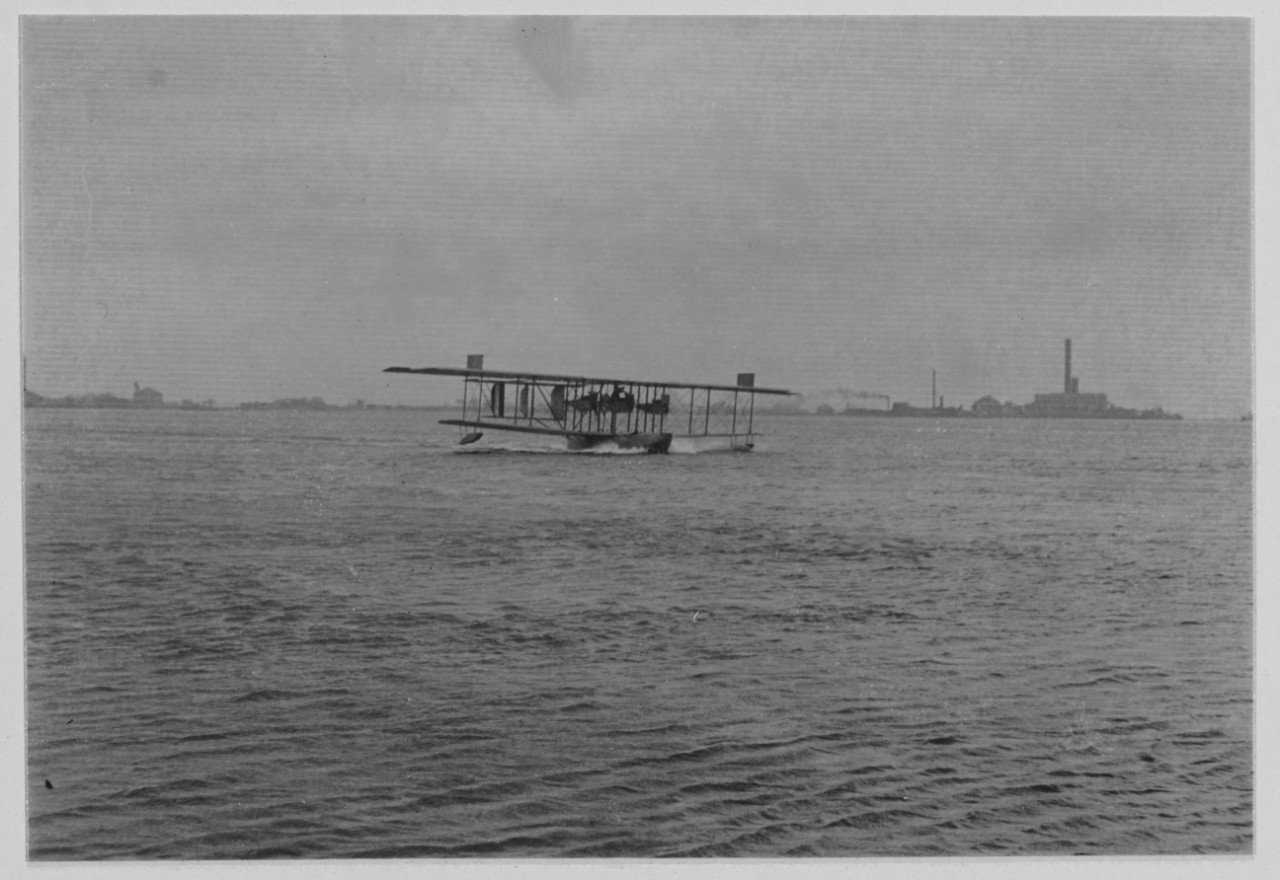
{"x":574,"y":380}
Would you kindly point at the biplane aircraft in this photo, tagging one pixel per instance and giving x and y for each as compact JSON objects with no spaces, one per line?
{"x":591,"y":412}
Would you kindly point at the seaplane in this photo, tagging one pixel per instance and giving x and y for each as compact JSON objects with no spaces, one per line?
{"x":591,"y":413}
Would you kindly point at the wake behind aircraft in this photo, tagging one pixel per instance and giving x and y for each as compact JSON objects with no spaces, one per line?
{"x":591,"y":412}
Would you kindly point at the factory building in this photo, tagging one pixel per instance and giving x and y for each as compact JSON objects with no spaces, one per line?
{"x":1069,"y":403}
{"x":1064,"y":405}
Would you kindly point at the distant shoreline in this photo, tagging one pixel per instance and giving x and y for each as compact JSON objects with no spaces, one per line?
{"x":986,"y":408}
{"x":109,"y":401}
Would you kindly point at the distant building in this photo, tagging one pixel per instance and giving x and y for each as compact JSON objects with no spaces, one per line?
{"x":902,"y":408}
{"x":1068,"y":403}
{"x":146,"y":396}
{"x":988,"y":407}
{"x":1073,"y":405}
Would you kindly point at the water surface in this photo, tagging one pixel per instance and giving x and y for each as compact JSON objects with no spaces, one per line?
{"x":333,"y":634}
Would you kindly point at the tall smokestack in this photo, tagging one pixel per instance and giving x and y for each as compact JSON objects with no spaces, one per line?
{"x":1066,"y":382}
{"x":933,"y":400}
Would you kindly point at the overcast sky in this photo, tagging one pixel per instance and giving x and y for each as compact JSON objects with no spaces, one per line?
{"x":248,"y":208}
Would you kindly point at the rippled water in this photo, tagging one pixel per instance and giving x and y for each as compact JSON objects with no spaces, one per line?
{"x":331,"y":634}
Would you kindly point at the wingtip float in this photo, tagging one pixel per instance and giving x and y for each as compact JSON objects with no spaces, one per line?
{"x":589,"y":412}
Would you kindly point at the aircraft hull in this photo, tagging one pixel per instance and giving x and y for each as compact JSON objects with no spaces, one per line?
{"x":655,"y":443}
